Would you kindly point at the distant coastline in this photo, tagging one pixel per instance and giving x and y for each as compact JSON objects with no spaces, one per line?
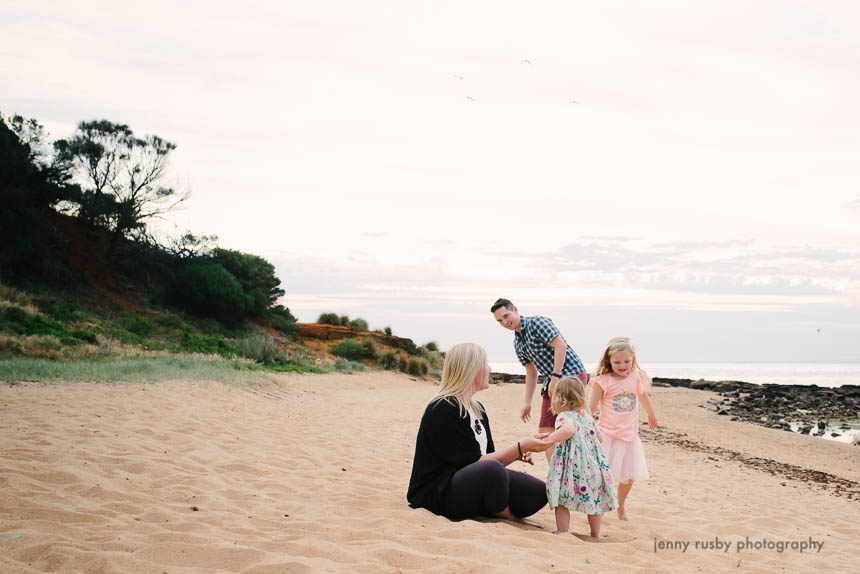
{"x":832,"y":413}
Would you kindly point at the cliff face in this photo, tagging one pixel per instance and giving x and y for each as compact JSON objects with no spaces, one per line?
{"x":335,"y":333}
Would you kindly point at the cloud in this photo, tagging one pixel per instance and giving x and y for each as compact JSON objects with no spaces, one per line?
{"x":728,"y":267}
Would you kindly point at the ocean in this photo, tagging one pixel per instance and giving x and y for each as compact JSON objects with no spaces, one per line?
{"x":821,"y":374}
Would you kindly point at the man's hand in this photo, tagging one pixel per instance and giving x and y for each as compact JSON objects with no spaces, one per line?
{"x":553,"y":383}
{"x":526,"y":412}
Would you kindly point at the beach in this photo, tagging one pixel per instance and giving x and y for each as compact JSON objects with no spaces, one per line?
{"x":308,"y":473}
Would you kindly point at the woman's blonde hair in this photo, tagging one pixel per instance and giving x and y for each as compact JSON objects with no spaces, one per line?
{"x":569,"y":395}
{"x":615,"y":345}
{"x":462,"y":363}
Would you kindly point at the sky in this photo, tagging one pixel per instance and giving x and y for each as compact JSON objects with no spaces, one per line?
{"x":683,"y":173}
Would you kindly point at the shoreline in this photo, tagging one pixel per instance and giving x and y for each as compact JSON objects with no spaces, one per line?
{"x":800,"y":409}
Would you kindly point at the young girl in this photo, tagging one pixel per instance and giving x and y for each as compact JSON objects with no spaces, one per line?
{"x":579,"y":477}
{"x":619,"y":385}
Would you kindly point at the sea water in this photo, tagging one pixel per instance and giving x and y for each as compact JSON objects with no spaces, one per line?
{"x":821,"y":374}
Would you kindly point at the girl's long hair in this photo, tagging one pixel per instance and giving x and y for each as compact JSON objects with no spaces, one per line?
{"x":616,"y":344}
{"x":462,"y":363}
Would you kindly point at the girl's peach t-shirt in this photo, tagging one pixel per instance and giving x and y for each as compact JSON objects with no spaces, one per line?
{"x":619,"y":415}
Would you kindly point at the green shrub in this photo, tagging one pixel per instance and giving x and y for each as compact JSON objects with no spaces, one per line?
{"x":344,"y":320}
{"x":283,"y":320}
{"x":209,"y":290}
{"x":299,"y":356}
{"x":135,"y":323}
{"x":59,"y":309}
{"x":417,"y":367}
{"x":353,"y":350}
{"x":255,"y":275}
{"x":208,"y":344}
{"x":329,"y":319}
{"x":358,"y":325}
{"x":388,"y":331}
{"x":402,"y":363}
{"x":18,"y":321}
{"x":431,"y":346}
{"x":260,"y":348}
{"x":342,"y":365}
{"x":388,"y":361}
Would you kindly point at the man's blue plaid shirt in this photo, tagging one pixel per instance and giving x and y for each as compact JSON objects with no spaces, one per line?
{"x":532,"y":346}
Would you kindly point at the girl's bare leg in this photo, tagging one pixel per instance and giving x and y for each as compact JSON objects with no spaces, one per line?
{"x":594,"y":524}
{"x":562,"y":519}
{"x":623,"y":491}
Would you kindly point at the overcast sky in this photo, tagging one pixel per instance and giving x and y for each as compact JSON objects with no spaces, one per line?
{"x":686,"y":173}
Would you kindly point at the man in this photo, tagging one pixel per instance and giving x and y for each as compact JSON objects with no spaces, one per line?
{"x":540,"y":348}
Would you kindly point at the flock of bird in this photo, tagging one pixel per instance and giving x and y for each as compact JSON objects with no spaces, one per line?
{"x":522,"y":62}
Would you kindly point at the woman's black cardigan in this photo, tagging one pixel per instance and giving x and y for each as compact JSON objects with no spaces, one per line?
{"x":445,"y":444}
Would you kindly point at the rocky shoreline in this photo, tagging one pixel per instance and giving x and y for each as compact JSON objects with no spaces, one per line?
{"x":808,"y":409}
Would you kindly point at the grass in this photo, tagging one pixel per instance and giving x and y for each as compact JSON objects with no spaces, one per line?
{"x":131,"y":370}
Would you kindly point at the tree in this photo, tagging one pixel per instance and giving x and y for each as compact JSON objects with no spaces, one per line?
{"x":255,"y":275}
{"x":123,"y":176}
{"x":207,"y":289}
{"x":28,"y":189}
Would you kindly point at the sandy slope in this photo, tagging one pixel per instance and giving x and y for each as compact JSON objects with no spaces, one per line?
{"x":311,"y":474}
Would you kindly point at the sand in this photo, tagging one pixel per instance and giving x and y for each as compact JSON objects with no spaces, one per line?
{"x":310,"y":475}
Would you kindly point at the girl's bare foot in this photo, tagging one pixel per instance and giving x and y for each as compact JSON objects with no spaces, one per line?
{"x":622,"y":514}
{"x":559,"y":531}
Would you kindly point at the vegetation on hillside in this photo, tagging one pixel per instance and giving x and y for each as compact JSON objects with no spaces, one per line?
{"x":82,"y":277}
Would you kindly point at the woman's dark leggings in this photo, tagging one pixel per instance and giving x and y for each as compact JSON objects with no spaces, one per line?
{"x":486,"y":487}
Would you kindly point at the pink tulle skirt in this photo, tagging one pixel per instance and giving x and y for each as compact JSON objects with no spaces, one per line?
{"x":626,"y":459}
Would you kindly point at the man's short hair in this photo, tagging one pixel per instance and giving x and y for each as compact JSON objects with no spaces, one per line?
{"x":506,"y":303}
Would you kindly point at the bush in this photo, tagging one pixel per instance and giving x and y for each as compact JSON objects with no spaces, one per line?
{"x":344,"y":366}
{"x":58,"y":309}
{"x":18,"y":321}
{"x":283,"y":320}
{"x":344,"y":320}
{"x":209,"y":290}
{"x":261,"y":348}
{"x":388,"y":331}
{"x":388,"y":361}
{"x":431,"y":346}
{"x":135,"y":323}
{"x":402,"y":363}
{"x":417,"y":367}
{"x":358,"y":325}
{"x":329,"y":319}
{"x":353,"y":350}
{"x":300,"y":357}
{"x":208,"y":344}
{"x":255,"y":275}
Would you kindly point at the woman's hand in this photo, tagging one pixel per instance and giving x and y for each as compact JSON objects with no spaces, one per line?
{"x":536,"y":443}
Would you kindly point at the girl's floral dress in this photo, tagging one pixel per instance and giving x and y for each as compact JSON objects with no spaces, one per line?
{"x":579,"y":476}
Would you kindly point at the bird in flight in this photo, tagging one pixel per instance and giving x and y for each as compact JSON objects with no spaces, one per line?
{"x":526,"y":62}
{"x":470,"y":98}
{"x":458,"y":77}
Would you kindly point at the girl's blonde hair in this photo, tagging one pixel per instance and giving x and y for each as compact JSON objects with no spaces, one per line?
{"x":569,"y":395}
{"x":462,"y":363}
{"x":615,"y":345}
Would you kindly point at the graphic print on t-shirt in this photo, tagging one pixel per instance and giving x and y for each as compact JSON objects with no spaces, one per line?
{"x":624,"y":402}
